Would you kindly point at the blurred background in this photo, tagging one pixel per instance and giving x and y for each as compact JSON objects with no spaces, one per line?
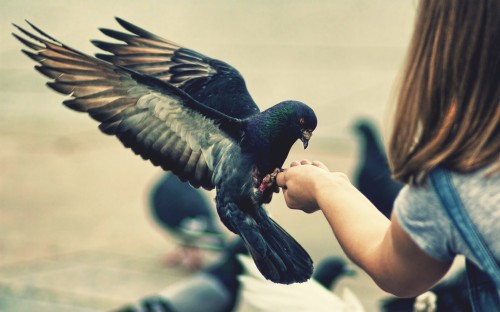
{"x":76,"y":233}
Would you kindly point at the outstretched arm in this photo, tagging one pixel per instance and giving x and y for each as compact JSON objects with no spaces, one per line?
{"x":376,"y":244}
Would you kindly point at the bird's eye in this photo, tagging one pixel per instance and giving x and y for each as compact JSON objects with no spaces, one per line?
{"x":301,"y":121}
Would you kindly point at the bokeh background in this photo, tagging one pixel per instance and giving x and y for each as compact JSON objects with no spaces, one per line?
{"x":75,"y":229}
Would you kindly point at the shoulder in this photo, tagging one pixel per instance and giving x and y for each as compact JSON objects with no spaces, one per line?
{"x":418,"y":212}
{"x":478,"y":190}
{"x":480,"y":195}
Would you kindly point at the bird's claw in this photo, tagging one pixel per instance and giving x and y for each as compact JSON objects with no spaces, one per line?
{"x":269,"y":181}
{"x":190,"y":257}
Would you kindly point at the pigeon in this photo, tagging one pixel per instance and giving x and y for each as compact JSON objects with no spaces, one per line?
{"x":213,"y":289}
{"x":185,"y":213}
{"x":219,"y":284}
{"x":192,"y":115}
{"x":372,"y":175}
{"x":330,"y":270}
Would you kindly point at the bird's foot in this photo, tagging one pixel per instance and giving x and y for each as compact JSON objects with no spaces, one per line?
{"x":190,"y":257}
{"x":194,"y":259}
{"x":268,"y":183}
{"x":173,"y":258}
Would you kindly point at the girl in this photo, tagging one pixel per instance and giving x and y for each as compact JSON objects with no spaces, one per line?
{"x":446,"y":124}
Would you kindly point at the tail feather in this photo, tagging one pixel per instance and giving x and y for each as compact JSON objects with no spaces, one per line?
{"x":277,"y":255}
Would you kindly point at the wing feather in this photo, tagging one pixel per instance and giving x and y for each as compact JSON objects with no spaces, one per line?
{"x":157,"y":121}
{"x":210,"y":81}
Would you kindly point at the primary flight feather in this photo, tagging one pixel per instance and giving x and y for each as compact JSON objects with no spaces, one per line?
{"x":192,"y":115}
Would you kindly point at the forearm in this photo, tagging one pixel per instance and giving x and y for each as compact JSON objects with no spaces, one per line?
{"x":373,"y":242}
{"x":359,"y":227}
{"x":378,"y":245}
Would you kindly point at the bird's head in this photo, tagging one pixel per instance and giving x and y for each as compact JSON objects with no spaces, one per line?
{"x":271,"y":134}
{"x":365,"y":128}
{"x":330,"y":269}
{"x":301,"y":120}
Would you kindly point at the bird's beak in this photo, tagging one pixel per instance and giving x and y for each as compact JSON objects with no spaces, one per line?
{"x":306,"y":136}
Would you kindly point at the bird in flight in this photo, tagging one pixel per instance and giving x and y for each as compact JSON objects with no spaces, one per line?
{"x":192,"y":115}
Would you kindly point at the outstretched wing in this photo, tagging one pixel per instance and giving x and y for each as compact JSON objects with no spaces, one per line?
{"x":212,"y":82}
{"x":156,"y":120}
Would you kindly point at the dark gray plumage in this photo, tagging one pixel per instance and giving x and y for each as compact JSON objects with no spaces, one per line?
{"x":330,"y":270}
{"x":185,"y":212}
{"x":213,"y":289}
{"x":178,"y":119}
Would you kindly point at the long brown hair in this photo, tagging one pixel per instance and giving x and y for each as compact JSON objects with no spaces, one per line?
{"x":448,"y":108}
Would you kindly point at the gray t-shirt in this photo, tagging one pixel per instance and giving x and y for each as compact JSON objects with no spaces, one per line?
{"x":420,"y":214}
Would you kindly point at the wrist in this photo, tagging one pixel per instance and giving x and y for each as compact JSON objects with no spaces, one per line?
{"x":330,"y":185}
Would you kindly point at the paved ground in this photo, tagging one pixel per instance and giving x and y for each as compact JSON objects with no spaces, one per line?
{"x":75,"y":233}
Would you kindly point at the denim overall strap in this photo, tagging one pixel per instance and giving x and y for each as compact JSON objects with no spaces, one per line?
{"x":452,"y":204}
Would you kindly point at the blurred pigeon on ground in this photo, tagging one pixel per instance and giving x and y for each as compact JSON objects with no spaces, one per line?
{"x":372,"y":175}
{"x":214,"y":289}
{"x":193,"y":115}
{"x":185,"y":213}
{"x":217,"y":288}
{"x":330,"y":270}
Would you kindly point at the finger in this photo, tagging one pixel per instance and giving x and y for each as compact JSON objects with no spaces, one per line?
{"x":320,"y":165}
{"x":294,"y":164}
{"x":280,"y":179}
{"x":305,"y":162}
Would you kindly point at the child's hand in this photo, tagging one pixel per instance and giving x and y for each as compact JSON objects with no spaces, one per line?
{"x":316,"y":163}
{"x":300,"y":184}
